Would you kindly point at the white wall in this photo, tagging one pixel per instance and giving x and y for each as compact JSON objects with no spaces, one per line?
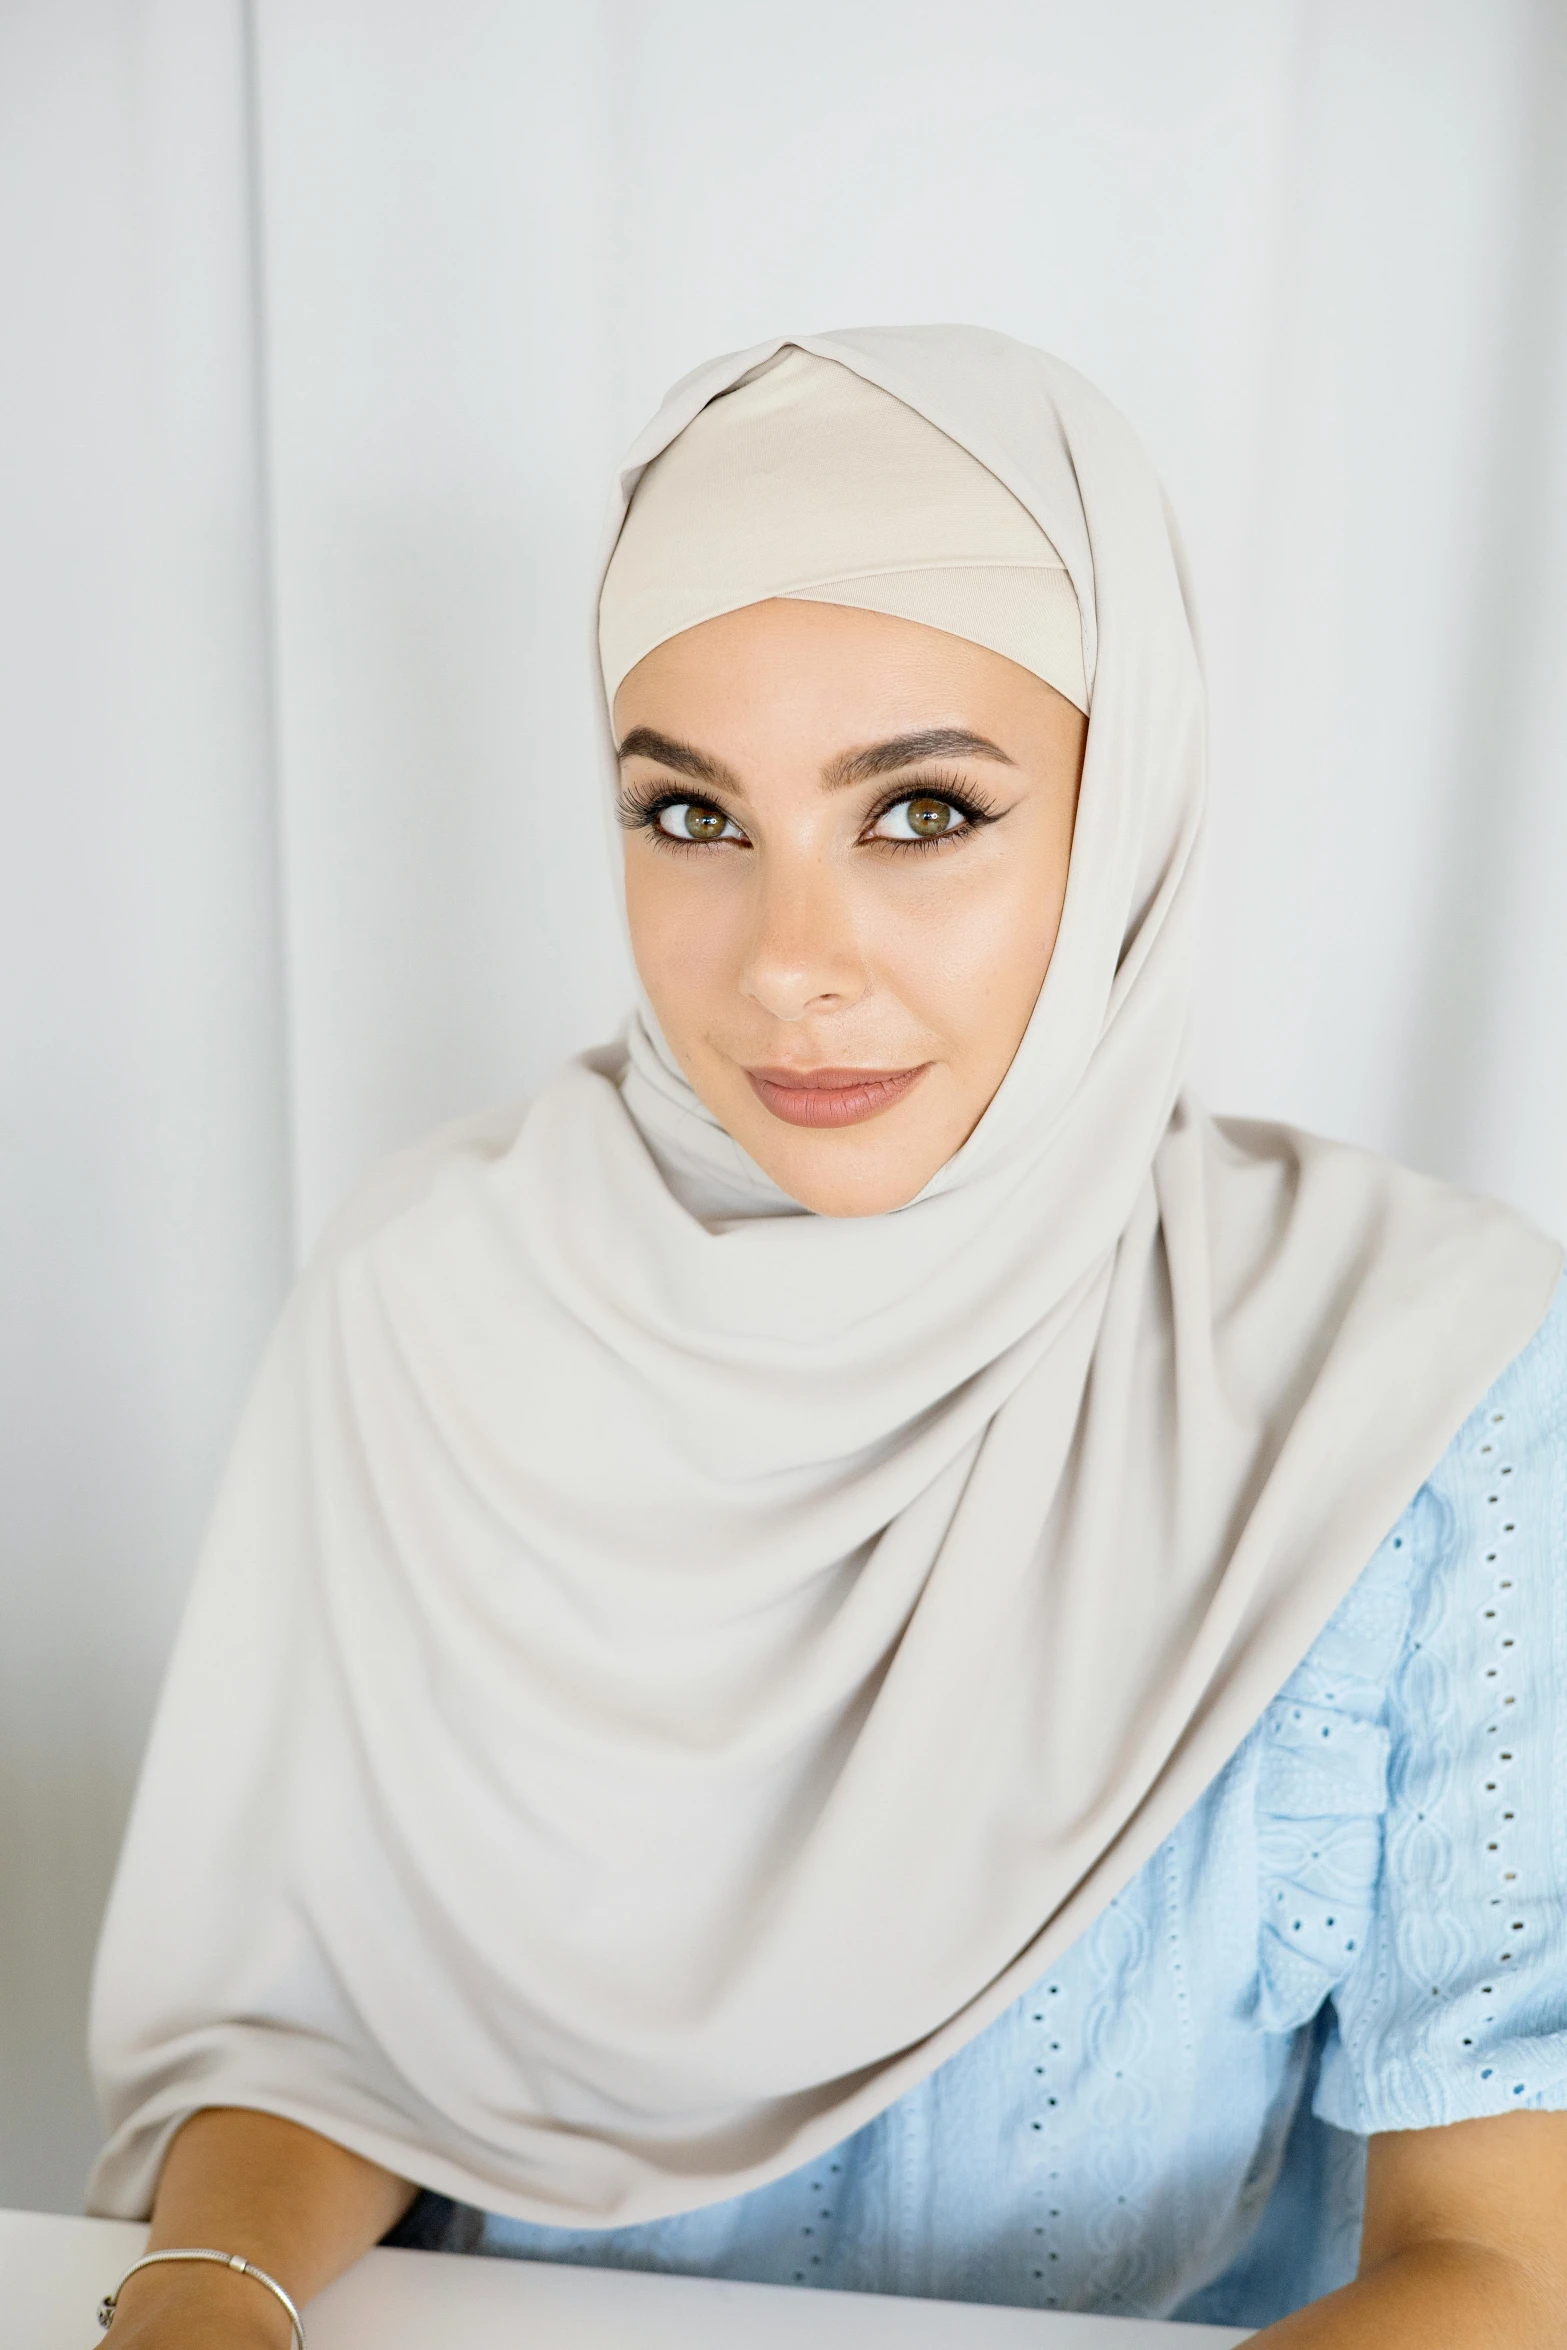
{"x":319,"y":346}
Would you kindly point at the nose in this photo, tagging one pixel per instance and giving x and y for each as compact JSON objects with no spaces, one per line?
{"x":803,"y":955}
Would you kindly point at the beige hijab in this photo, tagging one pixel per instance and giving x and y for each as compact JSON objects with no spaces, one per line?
{"x":806,"y":481}
{"x":658,"y":1683}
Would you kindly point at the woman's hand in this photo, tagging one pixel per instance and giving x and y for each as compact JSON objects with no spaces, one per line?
{"x":1464,"y":2245}
{"x":297,"y":2205}
{"x":194,"y":2306}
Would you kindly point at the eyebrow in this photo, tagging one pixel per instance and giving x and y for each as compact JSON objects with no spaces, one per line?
{"x":884,"y":758}
{"x":906,"y":750}
{"x":645,"y":742}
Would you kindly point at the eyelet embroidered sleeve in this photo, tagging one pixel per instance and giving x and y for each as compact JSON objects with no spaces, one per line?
{"x":1322,"y":1790}
{"x":1457,"y":2006}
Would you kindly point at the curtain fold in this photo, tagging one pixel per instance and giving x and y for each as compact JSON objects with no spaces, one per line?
{"x":144,"y":1190}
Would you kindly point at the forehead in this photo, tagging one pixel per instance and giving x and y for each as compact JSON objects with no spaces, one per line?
{"x":786,"y":672}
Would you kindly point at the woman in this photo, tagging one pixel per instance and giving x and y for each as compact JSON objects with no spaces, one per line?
{"x":787,"y":1681}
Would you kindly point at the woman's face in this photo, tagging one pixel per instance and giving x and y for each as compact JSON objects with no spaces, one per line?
{"x":847,"y":841}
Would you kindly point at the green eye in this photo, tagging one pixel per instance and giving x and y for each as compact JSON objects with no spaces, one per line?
{"x":692,"y":820}
{"x":928,"y":817}
{"x":924,"y":815}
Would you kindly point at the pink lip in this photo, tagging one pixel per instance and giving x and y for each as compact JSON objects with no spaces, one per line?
{"x":831,"y":1097}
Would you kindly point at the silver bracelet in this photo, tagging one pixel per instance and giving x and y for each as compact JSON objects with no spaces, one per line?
{"x":243,"y":2268}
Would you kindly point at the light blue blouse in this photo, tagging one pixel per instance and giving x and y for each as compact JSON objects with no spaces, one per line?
{"x":1361,"y":1926}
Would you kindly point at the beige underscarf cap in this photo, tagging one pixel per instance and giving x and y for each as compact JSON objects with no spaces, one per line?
{"x":808,"y":482}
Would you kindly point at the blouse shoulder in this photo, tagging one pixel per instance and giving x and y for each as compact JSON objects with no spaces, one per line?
{"x":1338,"y":1747}
{"x":1455,"y":2005}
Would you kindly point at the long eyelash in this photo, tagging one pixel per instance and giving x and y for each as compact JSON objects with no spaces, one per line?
{"x":937,"y":784}
{"x":636,"y":813}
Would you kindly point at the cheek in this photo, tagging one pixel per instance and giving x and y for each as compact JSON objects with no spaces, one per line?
{"x":969,"y":960}
{"x":686,"y":937}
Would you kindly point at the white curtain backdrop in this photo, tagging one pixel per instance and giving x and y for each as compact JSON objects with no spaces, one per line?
{"x":322,"y":324}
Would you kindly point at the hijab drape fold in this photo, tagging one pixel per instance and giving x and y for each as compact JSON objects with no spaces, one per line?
{"x":667,"y":1669}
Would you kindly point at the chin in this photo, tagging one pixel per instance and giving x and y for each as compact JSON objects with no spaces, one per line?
{"x":864,"y":1170}
{"x":847,"y":1208}
{"x":844,"y":1189}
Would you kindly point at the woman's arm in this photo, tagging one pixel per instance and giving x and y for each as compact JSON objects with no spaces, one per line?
{"x":295,"y":2204}
{"x":1465,"y":2244}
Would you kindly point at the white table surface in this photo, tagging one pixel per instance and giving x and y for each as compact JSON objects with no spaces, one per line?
{"x":54,"y":2272}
